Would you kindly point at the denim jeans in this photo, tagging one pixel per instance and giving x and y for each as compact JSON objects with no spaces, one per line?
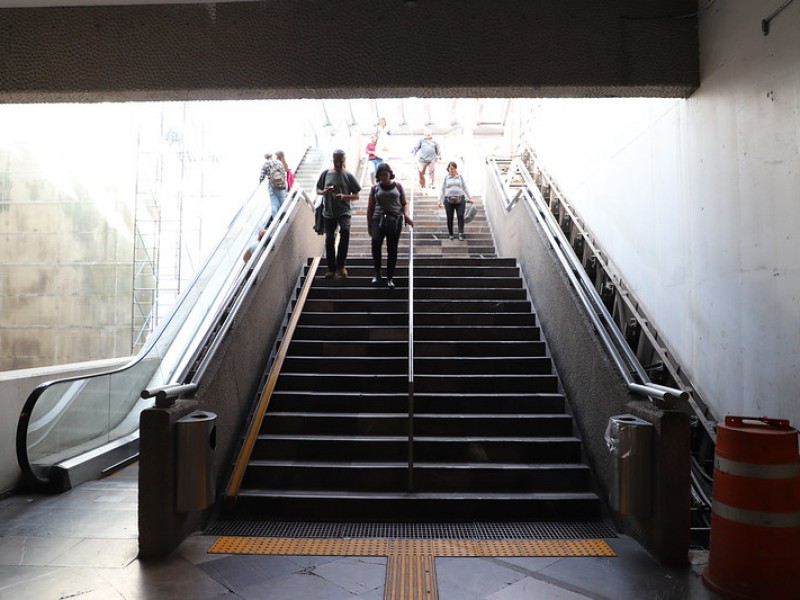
{"x":374,"y":163}
{"x":277,"y":197}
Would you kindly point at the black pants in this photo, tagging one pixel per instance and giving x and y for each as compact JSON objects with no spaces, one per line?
{"x":459,"y":210}
{"x":392,"y":240}
{"x":337,"y":260}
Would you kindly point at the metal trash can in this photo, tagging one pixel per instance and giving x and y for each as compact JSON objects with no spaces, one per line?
{"x":195,"y":453}
{"x":630,"y":441}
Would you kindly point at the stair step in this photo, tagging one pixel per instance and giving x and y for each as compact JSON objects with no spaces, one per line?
{"x":421,"y":334}
{"x":332,"y":402}
{"x":384,"y":364}
{"x":420,"y":319}
{"x":544,"y":449}
{"x":440,"y":349}
{"x":425,"y":425}
{"x":428,"y":477}
{"x":381,"y":292}
{"x":382,"y":382}
{"x":439,"y":507}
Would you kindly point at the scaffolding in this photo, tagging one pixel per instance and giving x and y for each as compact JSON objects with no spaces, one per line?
{"x":161,"y":178}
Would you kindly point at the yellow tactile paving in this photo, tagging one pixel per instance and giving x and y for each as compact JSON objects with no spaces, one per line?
{"x":386,"y":547}
{"x":300,"y":546}
{"x":411,"y":577}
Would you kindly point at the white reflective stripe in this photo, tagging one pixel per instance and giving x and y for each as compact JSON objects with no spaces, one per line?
{"x":732,"y":467}
{"x":754,"y":517}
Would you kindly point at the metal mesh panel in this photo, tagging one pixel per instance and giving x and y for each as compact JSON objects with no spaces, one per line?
{"x":532,"y":530}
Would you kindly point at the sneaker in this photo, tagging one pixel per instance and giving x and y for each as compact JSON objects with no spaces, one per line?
{"x":342,"y":273}
{"x":461,"y":236}
{"x":389,"y":283}
{"x":330,"y":274}
{"x":451,"y":236}
{"x":377,"y":280}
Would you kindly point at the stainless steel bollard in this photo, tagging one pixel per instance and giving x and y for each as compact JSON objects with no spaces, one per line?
{"x":195,"y":453}
{"x":630,"y":441}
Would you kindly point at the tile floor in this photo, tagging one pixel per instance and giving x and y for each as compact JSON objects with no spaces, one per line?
{"x":83,"y":545}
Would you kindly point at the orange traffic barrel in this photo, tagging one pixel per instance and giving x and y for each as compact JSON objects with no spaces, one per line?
{"x":754,"y":550}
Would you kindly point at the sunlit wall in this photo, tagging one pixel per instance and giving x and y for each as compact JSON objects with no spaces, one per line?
{"x":80,"y":185}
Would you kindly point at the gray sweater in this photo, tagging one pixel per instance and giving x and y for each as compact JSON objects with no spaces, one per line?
{"x":428,"y":150}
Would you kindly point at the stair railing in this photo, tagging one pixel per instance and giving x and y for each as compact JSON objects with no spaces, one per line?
{"x":619,"y":350}
{"x":627,"y":363}
{"x":411,"y":350}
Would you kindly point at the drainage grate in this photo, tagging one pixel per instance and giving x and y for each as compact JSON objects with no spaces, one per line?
{"x":527,"y":530}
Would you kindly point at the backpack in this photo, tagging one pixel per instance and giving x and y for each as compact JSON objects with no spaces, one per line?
{"x":277,"y":176}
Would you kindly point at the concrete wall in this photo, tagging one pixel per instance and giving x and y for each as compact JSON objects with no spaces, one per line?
{"x":66,"y":242}
{"x":696,"y":204}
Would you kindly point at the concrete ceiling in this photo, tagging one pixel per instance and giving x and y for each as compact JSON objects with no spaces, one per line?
{"x":75,"y":52}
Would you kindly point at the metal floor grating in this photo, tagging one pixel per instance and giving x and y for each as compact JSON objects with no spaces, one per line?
{"x":527,"y":530}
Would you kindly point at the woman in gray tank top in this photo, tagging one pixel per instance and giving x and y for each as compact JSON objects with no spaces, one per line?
{"x":386,"y":212}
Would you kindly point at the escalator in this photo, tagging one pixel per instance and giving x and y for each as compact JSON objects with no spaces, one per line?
{"x":77,"y":429}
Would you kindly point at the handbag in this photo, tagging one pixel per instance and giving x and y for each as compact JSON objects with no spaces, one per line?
{"x":319,"y":220}
{"x":455,"y":199}
{"x":470,"y":212}
{"x":389,"y":223}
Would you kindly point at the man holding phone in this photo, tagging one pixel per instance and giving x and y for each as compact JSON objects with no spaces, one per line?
{"x":338,"y":187}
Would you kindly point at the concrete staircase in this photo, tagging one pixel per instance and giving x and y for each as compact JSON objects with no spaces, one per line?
{"x":493,"y":438}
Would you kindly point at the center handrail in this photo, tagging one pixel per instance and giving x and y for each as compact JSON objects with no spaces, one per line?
{"x":411,"y":350}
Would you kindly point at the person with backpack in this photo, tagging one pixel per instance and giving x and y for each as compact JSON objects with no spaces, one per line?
{"x":387,"y":210}
{"x":275,"y":174}
{"x":289,"y":175}
{"x":454,"y":195}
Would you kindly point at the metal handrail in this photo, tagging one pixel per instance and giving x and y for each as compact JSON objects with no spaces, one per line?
{"x":693,"y":400}
{"x":411,"y":351}
{"x":625,"y":360}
